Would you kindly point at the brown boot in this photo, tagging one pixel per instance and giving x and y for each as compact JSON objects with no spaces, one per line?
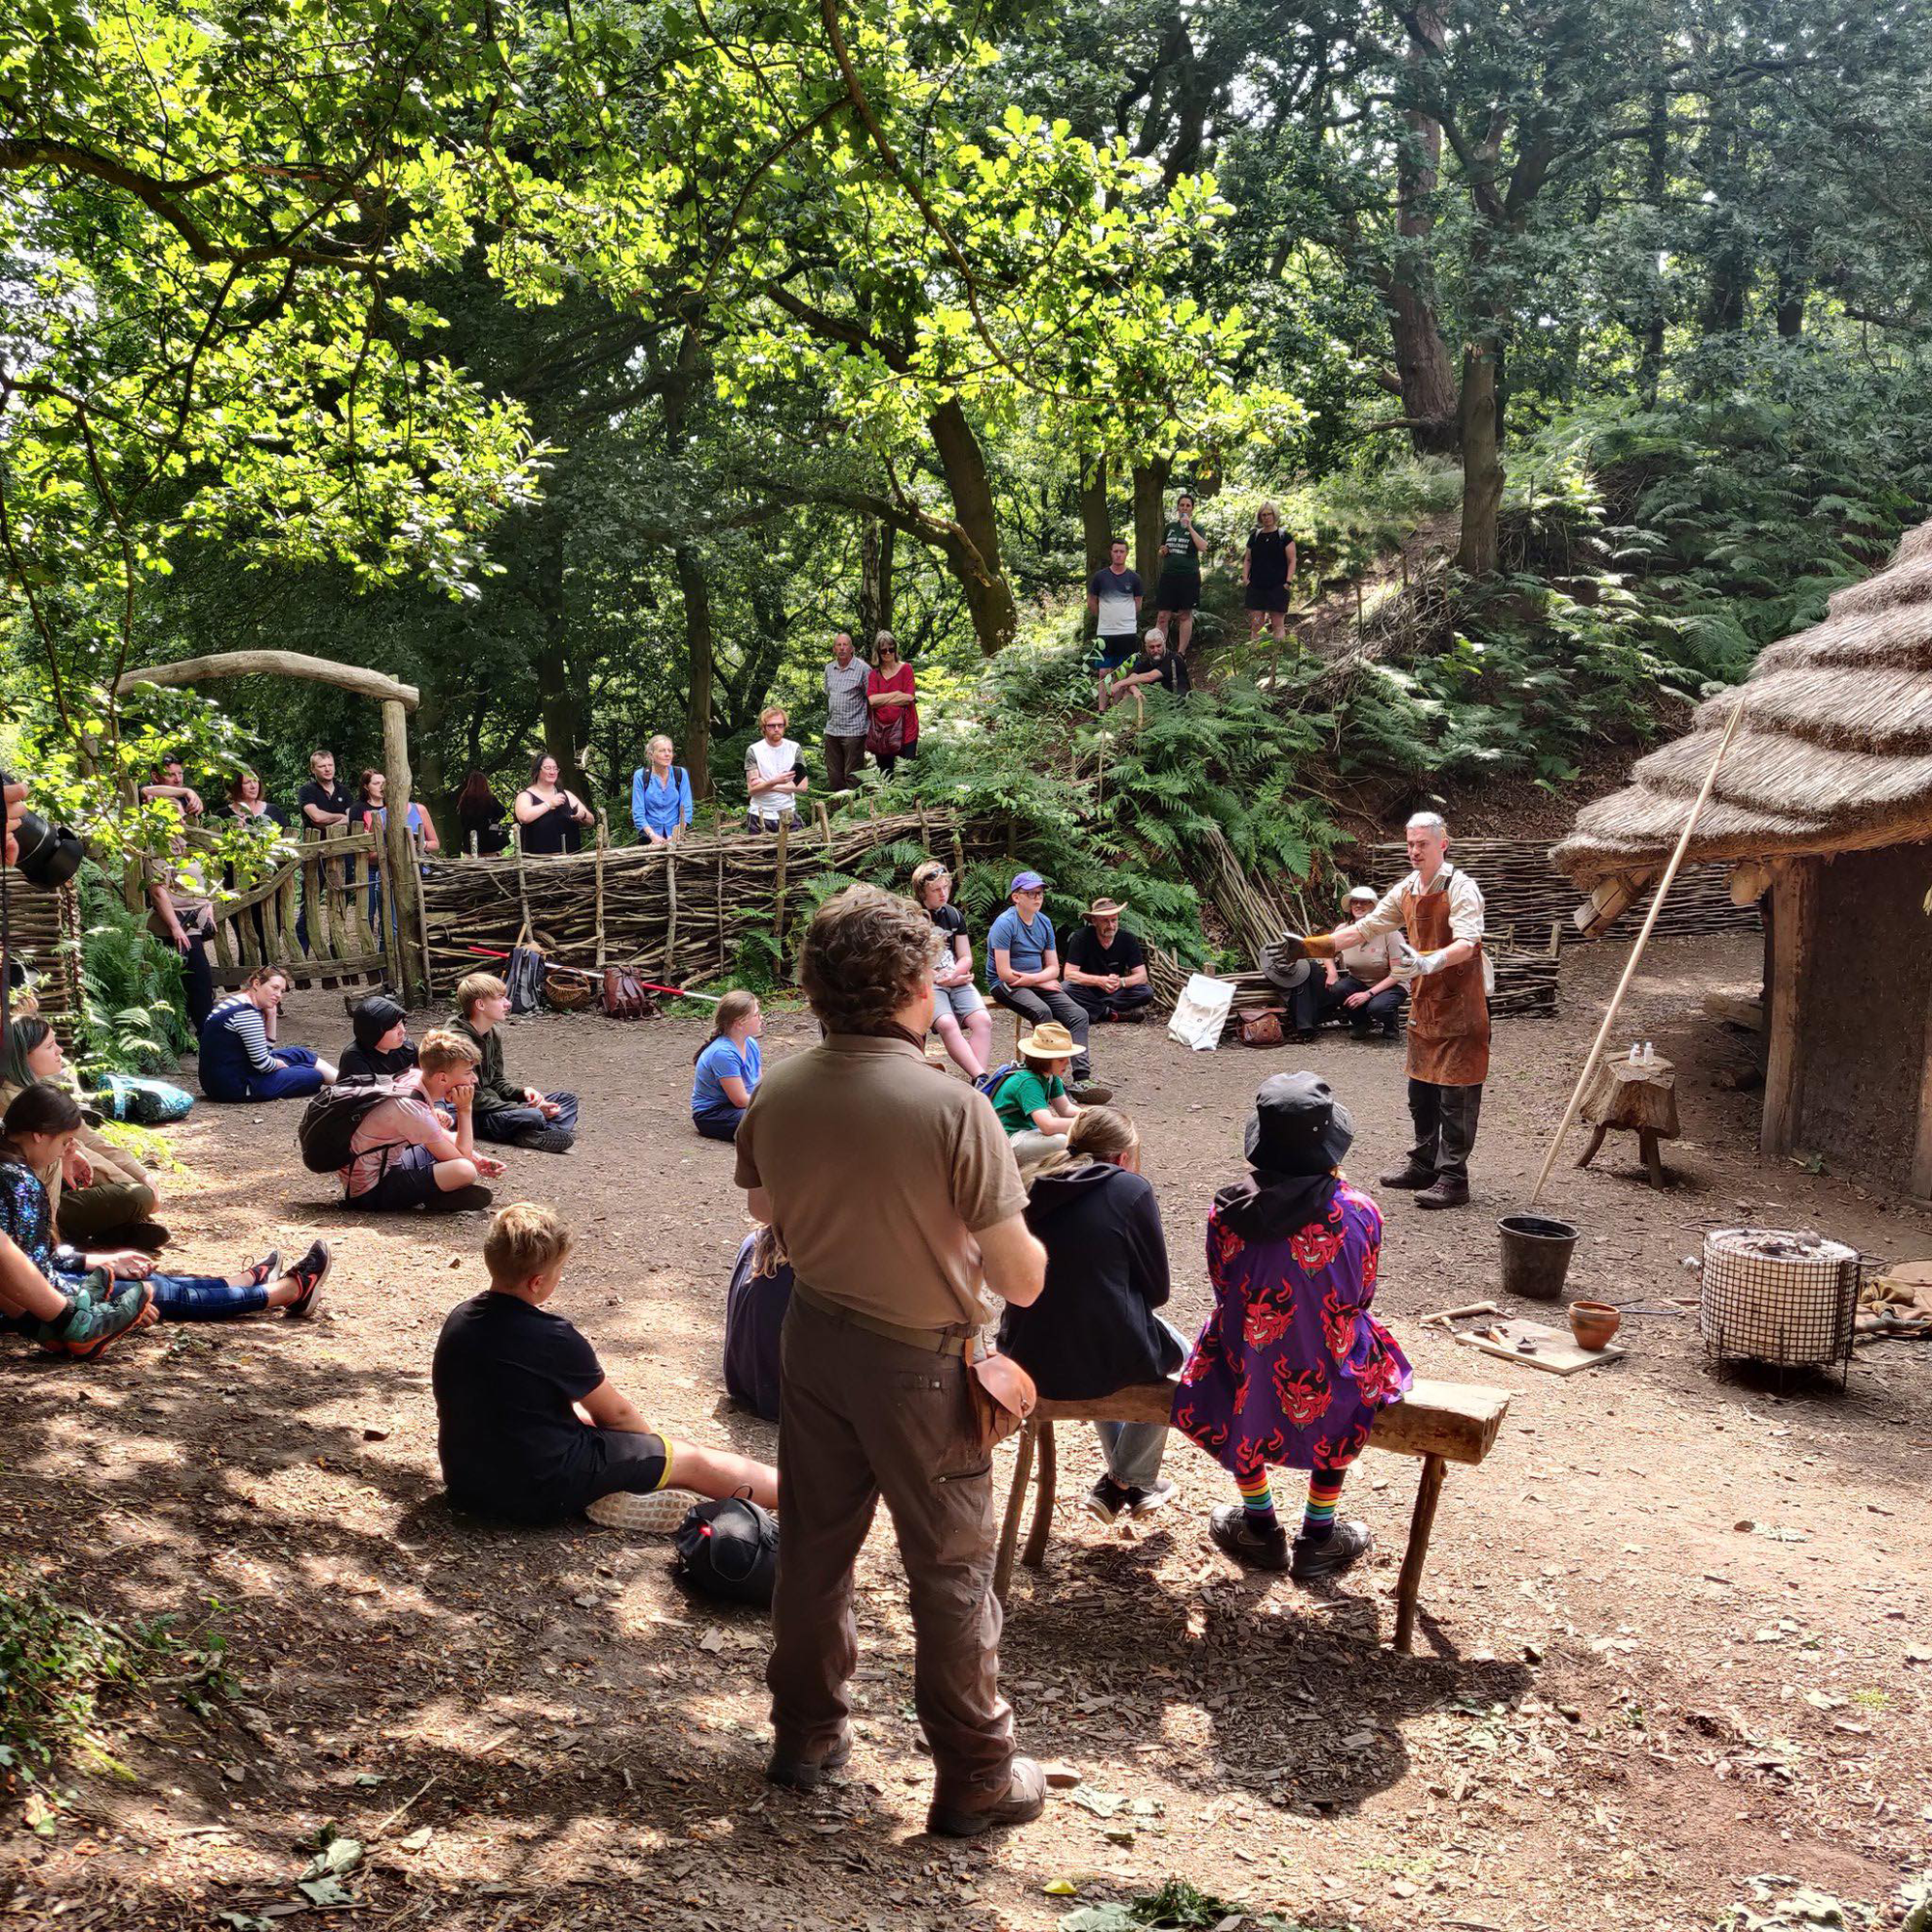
{"x":1445,"y":1193}
{"x":1409,"y":1174}
{"x":1023,"y":1799}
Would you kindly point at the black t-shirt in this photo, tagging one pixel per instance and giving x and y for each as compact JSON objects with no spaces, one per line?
{"x":1173,"y":671}
{"x":1267,"y":560}
{"x":950,"y":921}
{"x":324,"y":798}
{"x":1085,"y":952}
{"x":505,"y":1375}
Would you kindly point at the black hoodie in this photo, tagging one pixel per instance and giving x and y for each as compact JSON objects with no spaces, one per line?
{"x":1093,"y":1329}
{"x":370,"y":1021}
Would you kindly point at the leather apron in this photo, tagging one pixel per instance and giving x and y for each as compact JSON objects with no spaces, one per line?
{"x":1448,"y":1015}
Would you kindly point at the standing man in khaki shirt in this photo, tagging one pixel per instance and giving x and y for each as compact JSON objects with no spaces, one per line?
{"x":895,"y":1194}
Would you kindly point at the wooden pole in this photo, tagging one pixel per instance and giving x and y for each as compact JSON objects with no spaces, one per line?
{"x":603,"y":830}
{"x":405,"y":882}
{"x":1636,"y":951}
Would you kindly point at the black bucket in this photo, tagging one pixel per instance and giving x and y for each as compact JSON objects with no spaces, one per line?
{"x":1536,"y":1254}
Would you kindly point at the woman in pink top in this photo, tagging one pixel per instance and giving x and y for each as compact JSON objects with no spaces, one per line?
{"x":890,"y":691}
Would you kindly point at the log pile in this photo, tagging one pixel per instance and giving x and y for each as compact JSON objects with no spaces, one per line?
{"x":677,"y":913}
{"x":1520,"y":887}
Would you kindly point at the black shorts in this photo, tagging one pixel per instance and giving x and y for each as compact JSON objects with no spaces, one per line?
{"x":1180,"y":590}
{"x":1111,"y":653}
{"x":407,"y":1181}
{"x":616,"y":1459}
{"x":1267,"y":597}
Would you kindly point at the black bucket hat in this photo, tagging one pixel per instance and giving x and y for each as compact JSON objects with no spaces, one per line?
{"x":1298,"y":1126}
{"x":372,"y":1017}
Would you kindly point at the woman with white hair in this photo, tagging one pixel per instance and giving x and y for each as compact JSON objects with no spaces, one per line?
{"x":661,"y":794}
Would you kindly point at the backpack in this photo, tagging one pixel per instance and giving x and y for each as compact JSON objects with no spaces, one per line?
{"x":728,"y":1549}
{"x":330,"y":1121}
{"x":991,"y":1082}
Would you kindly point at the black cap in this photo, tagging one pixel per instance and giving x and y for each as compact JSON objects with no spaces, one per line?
{"x":1300,"y":1126}
{"x":373,"y":1018}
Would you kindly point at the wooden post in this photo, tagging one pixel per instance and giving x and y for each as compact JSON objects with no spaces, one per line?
{"x":1035,"y":1553}
{"x":779,"y":887}
{"x":670,"y":915}
{"x":1409,"y":1582}
{"x":1920,"y":1181}
{"x":1010,"y":1527}
{"x":405,"y":882}
{"x":1794,"y":916}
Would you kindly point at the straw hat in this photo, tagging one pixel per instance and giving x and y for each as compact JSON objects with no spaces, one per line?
{"x":1105,"y":908}
{"x":1049,"y":1040}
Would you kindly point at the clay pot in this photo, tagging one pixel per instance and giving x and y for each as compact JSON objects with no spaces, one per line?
{"x":1593,"y":1322}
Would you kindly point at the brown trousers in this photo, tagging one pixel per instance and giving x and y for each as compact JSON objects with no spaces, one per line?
{"x":860,"y":1418}
{"x":844,"y":760}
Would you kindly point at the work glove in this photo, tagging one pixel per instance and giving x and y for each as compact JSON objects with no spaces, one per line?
{"x":1411,"y":964}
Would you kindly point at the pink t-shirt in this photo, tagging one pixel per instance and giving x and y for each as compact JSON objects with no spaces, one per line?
{"x":382,"y":1135}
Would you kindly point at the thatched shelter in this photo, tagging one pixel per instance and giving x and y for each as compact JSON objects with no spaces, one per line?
{"x":1824,"y":807}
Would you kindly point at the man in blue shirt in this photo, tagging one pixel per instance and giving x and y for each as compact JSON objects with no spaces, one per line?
{"x":1023,"y":973}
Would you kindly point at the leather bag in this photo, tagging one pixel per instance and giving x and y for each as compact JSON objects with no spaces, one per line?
{"x":1003,"y":1395}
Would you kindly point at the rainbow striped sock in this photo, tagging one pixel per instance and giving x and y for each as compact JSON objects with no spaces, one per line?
{"x":1317,"y":1514}
{"x":1257,"y":1499}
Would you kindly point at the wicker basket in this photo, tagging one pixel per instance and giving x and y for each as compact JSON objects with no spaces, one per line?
{"x":1770,"y":1295}
{"x":568,"y":992}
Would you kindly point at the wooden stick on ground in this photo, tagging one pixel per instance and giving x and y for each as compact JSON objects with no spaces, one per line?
{"x":1636,"y":951}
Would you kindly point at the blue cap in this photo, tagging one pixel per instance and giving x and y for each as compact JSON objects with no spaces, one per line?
{"x":1026,"y":882}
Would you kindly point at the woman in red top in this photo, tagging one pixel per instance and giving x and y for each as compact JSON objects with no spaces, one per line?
{"x":889,"y":691}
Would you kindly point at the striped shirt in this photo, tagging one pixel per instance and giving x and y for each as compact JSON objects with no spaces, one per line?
{"x":242,"y":1017}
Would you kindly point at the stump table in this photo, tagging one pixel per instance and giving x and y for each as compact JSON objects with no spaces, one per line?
{"x":1641,"y":1099}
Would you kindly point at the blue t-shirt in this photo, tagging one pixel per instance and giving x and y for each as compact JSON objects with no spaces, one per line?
{"x":719,"y":1061}
{"x":1025,"y":945}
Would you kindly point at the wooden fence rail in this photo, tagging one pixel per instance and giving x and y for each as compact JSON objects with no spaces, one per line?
{"x":322,"y":894}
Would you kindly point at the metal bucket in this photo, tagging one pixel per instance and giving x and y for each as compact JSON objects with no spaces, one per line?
{"x":1536,"y":1254}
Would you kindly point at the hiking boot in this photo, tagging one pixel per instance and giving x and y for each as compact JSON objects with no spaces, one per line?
{"x":266,"y":1268}
{"x":1143,"y":1499}
{"x":1336,"y":1552}
{"x":308,"y":1274}
{"x":1445,"y":1193}
{"x":1024,"y":1800}
{"x":103,"y":1312}
{"x":547,"y":1140}
{"x":459,"y":1200}
{"x":1229,"y":1530}
{"x":1090,"y":1093}
{"x":1106,"y":1499}
{"x":1409,"y":1174}
{"x":807,"y":1774}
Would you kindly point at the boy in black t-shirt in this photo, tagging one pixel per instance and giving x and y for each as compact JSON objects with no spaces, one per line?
{"x":528,"y":1426}
{"x":1105,"y":968}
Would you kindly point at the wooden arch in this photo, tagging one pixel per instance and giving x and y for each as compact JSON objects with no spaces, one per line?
{"x":397,"y":701}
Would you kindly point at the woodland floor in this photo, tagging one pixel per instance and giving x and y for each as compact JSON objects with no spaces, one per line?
{"x":1675,"y":1628}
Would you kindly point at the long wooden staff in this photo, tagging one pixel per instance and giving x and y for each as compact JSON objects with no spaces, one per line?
{"x":1636,"y":951}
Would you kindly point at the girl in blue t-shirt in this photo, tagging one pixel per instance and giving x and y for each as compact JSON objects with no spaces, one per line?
{"x":728,"y":1064}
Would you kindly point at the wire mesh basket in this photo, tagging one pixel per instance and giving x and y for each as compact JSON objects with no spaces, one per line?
{"x":1772,"y":1295}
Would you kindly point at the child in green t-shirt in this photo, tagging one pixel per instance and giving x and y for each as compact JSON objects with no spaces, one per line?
{"x":1031,"y":1100}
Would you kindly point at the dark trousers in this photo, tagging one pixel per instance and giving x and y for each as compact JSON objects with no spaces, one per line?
{"x":1445,"y":1127}
{"x":1055,"y":1003}
{"x":861,"y":1417}
{"x":197,"y":983}
{"x":887,"y":761}
{"x":844,"y":759}
{"x":1384,"y":1009}
{"x":1099,"y":1003}
{"x":719,"y":1123}
{"x":505,"y":1123}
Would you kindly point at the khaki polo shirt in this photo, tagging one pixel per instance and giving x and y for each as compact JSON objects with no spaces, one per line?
{"x":880,"y":1172}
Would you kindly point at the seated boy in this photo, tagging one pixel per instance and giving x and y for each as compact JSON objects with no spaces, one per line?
{"x":383,"y":1049}
{"x":1031,"y":1100}
{"x":503,"y":1110}
{"x":528,"y":1426}
{"x":403,"y":1155}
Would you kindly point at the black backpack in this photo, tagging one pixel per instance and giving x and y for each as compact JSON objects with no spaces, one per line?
{"x":728,"y":1549}
{"x":331,"y":1117}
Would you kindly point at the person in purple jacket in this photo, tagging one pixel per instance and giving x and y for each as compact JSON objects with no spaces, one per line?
{"x":1289,"y":1366}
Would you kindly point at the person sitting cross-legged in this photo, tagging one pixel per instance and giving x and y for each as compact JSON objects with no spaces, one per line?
{"x":383,"y":1049}
{"x":528,"y":1426}
{"x":1107,"y":968}
{"x":240,"y":1057}
{"x":505,"y":1112}
{"x":1032,"y":1102}
{"x":728,"y":1066}
{"x":1023,"y":974}
{"x":1093,"y":1329}
{"x":402,"y":1154}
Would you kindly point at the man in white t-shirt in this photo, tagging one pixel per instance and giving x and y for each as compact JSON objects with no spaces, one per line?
{"x":1114,"y":602}
{"x":774,"y":773}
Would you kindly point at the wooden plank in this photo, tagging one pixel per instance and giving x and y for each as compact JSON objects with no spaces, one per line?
{"x":1794,"y":916}
{"x":1555,"y":1351}
{"x":1458,"y":1421}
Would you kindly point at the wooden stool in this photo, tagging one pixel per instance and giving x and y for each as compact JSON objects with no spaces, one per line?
{"x":1640,"y":1099}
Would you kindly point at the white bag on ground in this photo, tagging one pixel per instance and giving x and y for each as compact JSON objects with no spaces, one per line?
{"x":1201,"y":1012}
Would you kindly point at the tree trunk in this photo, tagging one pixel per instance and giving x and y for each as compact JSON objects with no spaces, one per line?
{"x":877,"y":544}
{"x":1096,"y":523}
{"x":1790,"y":306}
{"x":1657,"y":179}
{"x":696,"y":591}
{"x":989,"y":597}
{"x":1150,"y":520}
{"x":563,"y":710}
{"x":1421,"y":355}
{"x":1482,"y":461}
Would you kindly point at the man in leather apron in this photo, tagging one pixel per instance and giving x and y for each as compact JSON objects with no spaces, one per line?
{"x":1440,"y":909}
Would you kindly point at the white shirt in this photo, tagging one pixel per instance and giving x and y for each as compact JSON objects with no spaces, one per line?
{"x":1466,"y":905}
{"x":1370,"y":962}
{"x":773,"y":761}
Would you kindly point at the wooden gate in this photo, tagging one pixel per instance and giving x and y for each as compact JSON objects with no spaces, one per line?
{"x":324,"y":897}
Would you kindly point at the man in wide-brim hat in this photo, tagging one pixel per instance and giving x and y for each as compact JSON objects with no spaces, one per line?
{"x":1107,"y":968}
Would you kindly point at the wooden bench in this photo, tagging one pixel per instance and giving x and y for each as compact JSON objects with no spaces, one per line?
{"x":1440,"y":1422}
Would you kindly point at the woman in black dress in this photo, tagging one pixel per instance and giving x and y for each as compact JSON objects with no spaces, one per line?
{"x":481,"y":813}
{"x":1266,"y":572}
{"x":551,"y":817}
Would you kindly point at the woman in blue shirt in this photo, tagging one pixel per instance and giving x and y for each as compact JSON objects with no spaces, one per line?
{"x":728,"y":1064}
{"x":661,"y":794}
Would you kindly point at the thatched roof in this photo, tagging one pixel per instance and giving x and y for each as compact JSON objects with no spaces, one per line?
{"x":1833,"y":752}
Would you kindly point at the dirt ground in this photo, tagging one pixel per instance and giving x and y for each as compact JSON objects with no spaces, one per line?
{"x":1675,"y":1628}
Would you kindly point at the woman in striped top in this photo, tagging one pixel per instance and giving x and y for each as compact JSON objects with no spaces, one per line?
{"x":238,"y":1057}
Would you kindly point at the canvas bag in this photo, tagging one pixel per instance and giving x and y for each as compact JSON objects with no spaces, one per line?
{"x":1201,"y":1012}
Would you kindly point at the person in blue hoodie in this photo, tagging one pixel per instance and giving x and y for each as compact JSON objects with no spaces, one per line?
{"x":1093,"y":1329}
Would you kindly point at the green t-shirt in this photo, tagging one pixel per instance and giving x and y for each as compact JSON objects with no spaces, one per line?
{"x":1022,"y":1092}
{"x":1182,"y":553}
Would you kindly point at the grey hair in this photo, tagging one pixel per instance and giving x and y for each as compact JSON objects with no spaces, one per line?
{"x":1156,"y":632}
{"x":883,"y":641}
{"x":1428,"y":821}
